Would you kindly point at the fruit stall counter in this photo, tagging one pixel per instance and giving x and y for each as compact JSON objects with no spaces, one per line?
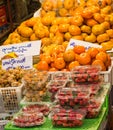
{"x":88,"y":124}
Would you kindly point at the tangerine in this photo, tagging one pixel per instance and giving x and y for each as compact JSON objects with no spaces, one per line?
{"x":102,"y":56}
{"x":69,"y":56}
{"x":99,"y":63}
{"x":59,"y":63}
{"x":79,"y":49}
{"x":74,"y":30}
{"x":93,"y":52}
{"x":73,"y":64}
{"x":84,"y":58}
{"x":52,"y":69}
{"x":42,"y":65}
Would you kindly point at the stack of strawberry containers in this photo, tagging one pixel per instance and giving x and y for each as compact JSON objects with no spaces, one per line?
{"x":75,"y":96}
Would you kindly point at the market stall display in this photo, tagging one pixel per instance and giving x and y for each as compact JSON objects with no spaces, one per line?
{"x":71,"y":80}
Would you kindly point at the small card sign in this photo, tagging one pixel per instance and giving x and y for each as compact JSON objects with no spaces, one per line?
{"x":87,"y":45}
{"x":23,"y":62}
{"x":22,"y":49}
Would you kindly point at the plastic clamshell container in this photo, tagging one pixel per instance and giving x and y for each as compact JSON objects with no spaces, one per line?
{"x":67,"y":118}
{"x":10,"y":98}
{"x":93,"y":88}
{"x":35,"y":80}
{"x":72,"y":97}
{"x":28,"y":119}
{"x":60,"y":75}
{"x":81,"y":74}
{"x":37,"y":107}
{"x":54,"y":85}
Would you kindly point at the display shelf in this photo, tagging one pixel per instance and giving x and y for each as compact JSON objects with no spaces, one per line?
{"x":89,"y":124}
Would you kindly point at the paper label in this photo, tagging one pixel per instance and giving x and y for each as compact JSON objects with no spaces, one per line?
{"x":87,"y":45}
{"x":22,"y":49}
{"x":23,"y":62}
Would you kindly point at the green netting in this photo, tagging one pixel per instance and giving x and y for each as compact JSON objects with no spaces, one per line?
{"x":89,"y":124}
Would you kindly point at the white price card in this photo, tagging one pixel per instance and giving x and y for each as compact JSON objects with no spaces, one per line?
{"x":22,"y":49}
{"x":87,"y":45}
{"x":23,"y":62}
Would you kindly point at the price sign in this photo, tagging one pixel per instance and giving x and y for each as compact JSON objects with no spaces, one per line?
{"x":23,"y":62}
{"x":87,"y":45}
{"x":22,"y":49}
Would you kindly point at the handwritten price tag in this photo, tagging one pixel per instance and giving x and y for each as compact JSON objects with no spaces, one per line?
{"x":87,"y":45}
{"x":23,"y":62}
{"x":22,"y":49}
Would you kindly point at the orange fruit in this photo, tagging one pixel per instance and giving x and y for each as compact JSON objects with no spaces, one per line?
{"x":63,"y":12}
{"x":65,"y":44}
{"x":99,"y":63}
{"x":65,"y":70}
{"x":102,"y":38}
{"x":59,"y":63}
{"x":74,"y":30}
{"x":87,"y":13}
{"x":73,"y":64}
{"x":77,"y":20}
{"x":45,"y":57}
{"x":58,"y":49}
{"x":63,"y":27}
{"x":60,"y":54}
{"x":64,"y":20}
{"x":47,"y":5}
{"x":42,"y":65}
{"x":91,"y":22}
{"x":108,"y":62}
{"x":102,"y":56}
{"x":98,"y":17}
{"x":53,"y":69}
{"x":101,"y":50}
{"x":93,"y":52}
{"x":84,"y":58}
{"x":67,"y":36}
{"x":106,"y":25}
{"x":69,"y":55}
{"x":57,"y":39}
{"x":110,"y":33}
{"x":54,"y":29}
{"x":33,"y":37}
{"x":79,"y":49}
{"x":45,"y":41}
{"x":78,"y":37}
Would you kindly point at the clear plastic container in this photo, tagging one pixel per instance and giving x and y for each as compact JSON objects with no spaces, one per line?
{"x":54,"y":85}
{"x":60,"y":75}
{"x":37,"y":107}
{"x":72,"y":97}
{"x":35,"y":80}
{"x":93,"y":108}
{"x":28,"y":120}
{"x":34,"y":96}
{"x":93,"y":88}
{"x":67,"y":118}
{"x":81,"y":74}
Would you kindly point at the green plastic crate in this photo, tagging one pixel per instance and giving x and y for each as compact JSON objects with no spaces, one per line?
{"x":89,"y":124}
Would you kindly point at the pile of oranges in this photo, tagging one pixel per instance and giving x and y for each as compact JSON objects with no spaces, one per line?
{"x":61,"y":60}
{"x":61,"y":20}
